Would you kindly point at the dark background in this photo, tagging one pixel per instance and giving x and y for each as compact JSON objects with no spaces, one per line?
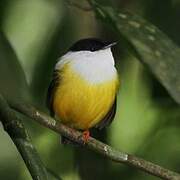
{"x":147,"y":122}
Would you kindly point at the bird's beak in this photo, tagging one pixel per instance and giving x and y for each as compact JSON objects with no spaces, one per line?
{"x":110,"y":45}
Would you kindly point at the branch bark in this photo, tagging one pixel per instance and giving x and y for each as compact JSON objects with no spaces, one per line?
{"x":13,"y":126}
{"x":94,"y":144}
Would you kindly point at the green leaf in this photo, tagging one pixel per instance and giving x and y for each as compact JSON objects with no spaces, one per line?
{"x":12,"y":79}
{"x":152,"y":46}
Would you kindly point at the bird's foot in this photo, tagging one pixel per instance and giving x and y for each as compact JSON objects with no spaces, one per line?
{"x":86,"y":135}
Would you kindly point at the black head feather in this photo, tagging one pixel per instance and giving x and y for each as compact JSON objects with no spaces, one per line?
{"x":90,"y":44}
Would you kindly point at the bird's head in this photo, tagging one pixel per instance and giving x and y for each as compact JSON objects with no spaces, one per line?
{"x":91,"y":44}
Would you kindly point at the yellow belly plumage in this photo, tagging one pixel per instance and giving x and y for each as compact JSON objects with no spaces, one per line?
{"x":81,"y":104}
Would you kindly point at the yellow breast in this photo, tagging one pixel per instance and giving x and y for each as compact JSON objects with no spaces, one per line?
{"x":81,"y":104}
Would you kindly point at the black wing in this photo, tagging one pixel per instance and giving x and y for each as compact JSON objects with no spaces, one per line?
{"x":109,"y":117}
{"x":51,"y":90}
{"x":50,"y":98}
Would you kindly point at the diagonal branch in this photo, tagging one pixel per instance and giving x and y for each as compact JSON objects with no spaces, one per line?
{"x":13,"y":126}
{"x":94,"y":144}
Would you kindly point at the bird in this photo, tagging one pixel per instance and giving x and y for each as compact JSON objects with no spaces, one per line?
{"x":83,"y":91}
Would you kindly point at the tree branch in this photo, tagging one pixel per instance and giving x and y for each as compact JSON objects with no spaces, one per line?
{"x":13,"y":126}
{"x":94,"y":144}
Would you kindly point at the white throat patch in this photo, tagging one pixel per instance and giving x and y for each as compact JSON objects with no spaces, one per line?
{"x":95,"y":67}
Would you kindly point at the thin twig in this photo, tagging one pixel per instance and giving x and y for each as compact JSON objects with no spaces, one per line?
{"x":79,"y":6}
{"x":13,"y":126}
{"x":94,"y":144}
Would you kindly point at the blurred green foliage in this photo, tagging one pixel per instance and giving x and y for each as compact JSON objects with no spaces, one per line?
{"x":147,"y":121}
{"x":13,"y":80}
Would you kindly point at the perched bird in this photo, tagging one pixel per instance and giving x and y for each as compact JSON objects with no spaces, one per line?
{"x":82,"y":93}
